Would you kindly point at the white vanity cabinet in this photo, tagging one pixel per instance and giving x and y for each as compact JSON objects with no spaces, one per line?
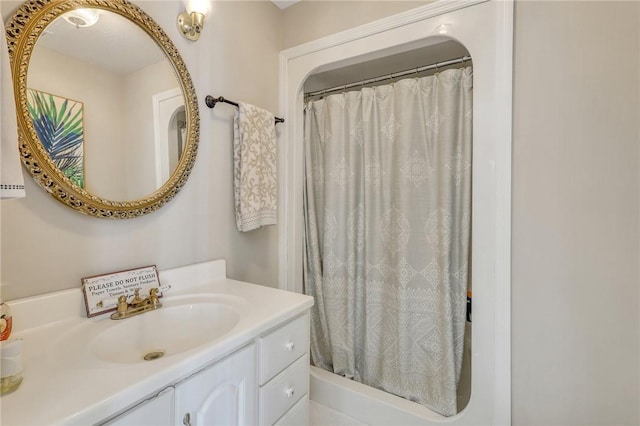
{"x":223,"y":394}
{"x":263,"y":383}
{"x":252,"y":372}
{"x":284,"y":374}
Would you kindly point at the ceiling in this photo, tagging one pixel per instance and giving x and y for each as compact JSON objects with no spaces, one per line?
{"x":113,"y":43}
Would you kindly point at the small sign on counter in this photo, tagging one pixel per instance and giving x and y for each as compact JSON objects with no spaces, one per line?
{"x":102,"y":291}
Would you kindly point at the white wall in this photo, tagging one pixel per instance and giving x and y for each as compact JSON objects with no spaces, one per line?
{"x":576,"y":190}
{"x":47,"y":246}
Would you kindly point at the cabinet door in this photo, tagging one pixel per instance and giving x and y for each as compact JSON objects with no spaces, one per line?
{"x":223,"y":394}
{"x":156,"y":411}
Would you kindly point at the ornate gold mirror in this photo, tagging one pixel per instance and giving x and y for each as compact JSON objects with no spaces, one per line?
{"x":107,"y":114}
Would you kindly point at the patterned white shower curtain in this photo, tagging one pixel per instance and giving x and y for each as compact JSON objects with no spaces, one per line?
{"x":387,"y":229}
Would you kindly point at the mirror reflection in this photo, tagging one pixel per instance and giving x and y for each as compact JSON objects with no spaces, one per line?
{"x":106,"y":104}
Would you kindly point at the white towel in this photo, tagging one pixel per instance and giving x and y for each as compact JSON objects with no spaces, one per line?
{"x":11,"y":179}
{"x":255,"y":175}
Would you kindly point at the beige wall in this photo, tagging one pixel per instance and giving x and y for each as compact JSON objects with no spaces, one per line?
{"x":575,"y":214}
{"x":101,"y":95}
{"x":47,"y":246}
{"x":139,"y":87}
{"x":309,"y":20}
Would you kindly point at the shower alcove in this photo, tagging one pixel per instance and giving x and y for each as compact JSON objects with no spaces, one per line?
{"x":411,"y":70}
{"x":433,"y":33}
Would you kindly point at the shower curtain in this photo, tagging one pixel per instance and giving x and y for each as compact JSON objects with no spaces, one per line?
{"x":387,"y":231}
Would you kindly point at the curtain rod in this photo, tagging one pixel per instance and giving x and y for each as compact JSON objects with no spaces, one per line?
{"x":417,"y":70}
{"x":211,"y":103}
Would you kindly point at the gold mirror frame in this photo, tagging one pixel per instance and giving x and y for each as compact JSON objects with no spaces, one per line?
{"x":23,"y":31}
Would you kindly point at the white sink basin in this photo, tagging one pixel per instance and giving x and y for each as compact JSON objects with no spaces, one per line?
{"x":167,"y":331}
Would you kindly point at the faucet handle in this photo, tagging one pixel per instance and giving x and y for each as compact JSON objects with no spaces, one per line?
{"x":153,"y":297}
{"x":107,"y":303}
{"x":164,"y":288}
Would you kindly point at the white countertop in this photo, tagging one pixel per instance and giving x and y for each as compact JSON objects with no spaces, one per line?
{"x":61,"y":386}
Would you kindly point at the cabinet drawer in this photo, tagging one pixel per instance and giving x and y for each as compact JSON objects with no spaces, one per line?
{"x":281,"y":393}
{"x":298,"y":415}
{"x":282,"y":346}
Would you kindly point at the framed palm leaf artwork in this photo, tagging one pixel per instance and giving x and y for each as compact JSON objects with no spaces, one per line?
{"x":59,"y":124}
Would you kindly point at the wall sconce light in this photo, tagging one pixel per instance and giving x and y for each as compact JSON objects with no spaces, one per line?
{"x":191,"y":22}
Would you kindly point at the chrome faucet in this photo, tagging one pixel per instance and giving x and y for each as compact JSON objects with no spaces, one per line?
{"x":137,"y":305}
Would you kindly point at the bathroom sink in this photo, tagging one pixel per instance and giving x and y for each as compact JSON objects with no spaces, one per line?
{"x":167,"y":331}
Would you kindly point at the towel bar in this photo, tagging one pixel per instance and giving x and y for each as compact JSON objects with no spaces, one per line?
{"x":211,"y":103}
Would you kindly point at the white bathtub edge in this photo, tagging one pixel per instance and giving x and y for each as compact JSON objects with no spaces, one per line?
{"x":367,"y":404}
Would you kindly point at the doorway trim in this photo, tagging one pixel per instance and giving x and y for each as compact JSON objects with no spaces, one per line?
{"x":161,"y":122}
{"x":492,"y":55}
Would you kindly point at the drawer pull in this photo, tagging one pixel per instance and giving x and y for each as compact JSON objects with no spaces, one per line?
{"x":290,"y":346}
{"x":290,"y":391}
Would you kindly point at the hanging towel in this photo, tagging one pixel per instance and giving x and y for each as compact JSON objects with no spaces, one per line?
{"x":11,"y":179}
{"x":255,"y":174}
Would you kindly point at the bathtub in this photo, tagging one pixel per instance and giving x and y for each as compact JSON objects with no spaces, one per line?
{"x":366,"y":404}
{"x":375,"y":407}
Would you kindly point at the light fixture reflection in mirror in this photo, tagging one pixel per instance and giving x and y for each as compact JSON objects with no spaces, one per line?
{"x":82,"y":18}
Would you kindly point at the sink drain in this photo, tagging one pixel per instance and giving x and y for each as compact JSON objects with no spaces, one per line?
{"x":153,"y":355}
